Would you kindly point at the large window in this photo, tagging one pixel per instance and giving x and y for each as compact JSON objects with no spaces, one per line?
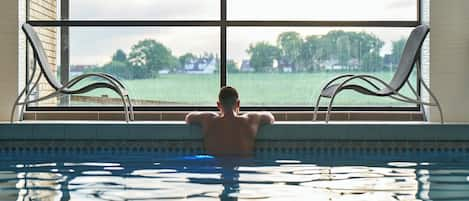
{"x":176,"y":54}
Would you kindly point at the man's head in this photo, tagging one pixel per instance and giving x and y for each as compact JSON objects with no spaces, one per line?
{"x":228,"y":99}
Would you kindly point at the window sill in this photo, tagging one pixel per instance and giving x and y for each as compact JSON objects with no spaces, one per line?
{"x":179,"y":116}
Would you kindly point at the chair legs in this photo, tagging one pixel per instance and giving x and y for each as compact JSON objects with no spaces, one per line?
{"x":15,"y":104}
{"x":417,"y":101}
{"x":437,"y":103}
{"x":329,"y":108}
{"x":131,"y":107}
{"x":316,"y":108}
{"x":126,"y":107}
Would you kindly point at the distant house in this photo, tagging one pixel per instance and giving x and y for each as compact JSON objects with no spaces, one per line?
{"x":334,"y":65}
{"x":331,"y":64}
{"x":284,"y":66}
{"x":388,"y":61}
{"x":353,"y":64}
{"x":201,"y":66}
{"x":246,"y":66}
{"x":164,"y":71}
{"x":78,"y":69}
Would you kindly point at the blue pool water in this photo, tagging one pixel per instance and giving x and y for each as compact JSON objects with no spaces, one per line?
{"x":152,"y":176}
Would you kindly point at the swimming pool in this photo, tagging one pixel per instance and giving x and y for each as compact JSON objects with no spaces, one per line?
{"x":293,"y":161}
{"x":316,"y":174}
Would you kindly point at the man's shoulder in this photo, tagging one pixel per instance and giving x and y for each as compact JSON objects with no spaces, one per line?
{"x":200,"y":117}
{"x":255,"y":114}
{"x":209,"y":115}
{"x":260,"y":117}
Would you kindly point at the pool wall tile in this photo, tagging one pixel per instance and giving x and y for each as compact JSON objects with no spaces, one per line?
{"x":16,"y":132}
{"x":196,"y":131}
{"x":278,"y":131}
{"x":113,"y":131}
{"x":48,"y":131}
{"x":360,"y":132}
{"x":162,"y":132}
{"x":324,"y":132}
{"x":144,"y":132}
{"x":81,"y":132}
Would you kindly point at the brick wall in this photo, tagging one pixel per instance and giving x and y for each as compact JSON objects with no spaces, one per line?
{"x":46,"y":10}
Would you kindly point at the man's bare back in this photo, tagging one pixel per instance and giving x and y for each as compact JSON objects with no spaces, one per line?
{"x":230,"y":133}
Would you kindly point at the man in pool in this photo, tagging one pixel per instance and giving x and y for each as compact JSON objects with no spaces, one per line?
{"x":228,"y":132}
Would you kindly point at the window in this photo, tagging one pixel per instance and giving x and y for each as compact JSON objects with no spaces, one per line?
{"x":175,"y":54}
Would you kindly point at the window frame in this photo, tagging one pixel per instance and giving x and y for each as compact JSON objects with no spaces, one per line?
{"x":223,"y":23}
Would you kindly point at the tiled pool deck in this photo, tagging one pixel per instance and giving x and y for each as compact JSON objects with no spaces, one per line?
{"x":178,"y":130}
{"x":175,"y":137}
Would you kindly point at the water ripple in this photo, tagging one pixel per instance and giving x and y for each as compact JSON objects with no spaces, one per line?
{"x":208,"y":178}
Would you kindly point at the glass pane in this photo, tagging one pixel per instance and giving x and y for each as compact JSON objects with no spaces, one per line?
{"x":288,"y":66}
{"x":340,"y":10}
{"x":145,"y":9}
{"x":159,"y":66}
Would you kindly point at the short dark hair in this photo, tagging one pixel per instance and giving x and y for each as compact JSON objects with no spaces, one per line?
{"x":228,"y":96}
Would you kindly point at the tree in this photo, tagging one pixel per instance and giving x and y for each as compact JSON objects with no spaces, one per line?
{"x":186,"y":58}
{"x":119,"y":56}
{"x":231,"y":66}
{"x":309,"y":56}
{"x":351,"y":50}
{"x":262,"y":56}
{"x":151,"y":56}
{"x":290,"y":45}
{"x":396,"y":52}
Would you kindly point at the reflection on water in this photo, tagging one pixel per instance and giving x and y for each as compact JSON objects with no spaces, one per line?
{"x":208,"y":178}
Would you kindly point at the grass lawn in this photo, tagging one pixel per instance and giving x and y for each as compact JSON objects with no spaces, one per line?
{"x":258,"y":89}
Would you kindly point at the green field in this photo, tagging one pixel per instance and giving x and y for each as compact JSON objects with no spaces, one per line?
{"x":258,"y":89}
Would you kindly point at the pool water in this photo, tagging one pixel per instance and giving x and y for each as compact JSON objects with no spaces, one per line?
{"x":150,"y":176}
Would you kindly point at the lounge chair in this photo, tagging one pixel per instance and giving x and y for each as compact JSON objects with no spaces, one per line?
{"x":104,"y":81}
{"x":391,"y":89}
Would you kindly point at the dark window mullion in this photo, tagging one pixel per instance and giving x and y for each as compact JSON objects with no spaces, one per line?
{"x":223,"y":43}
{"x":222,"y":23}
{"x":175,"y":108}
{"x":123,"y":23}
{"x":64,"y":48}
{"x":325,"y":23}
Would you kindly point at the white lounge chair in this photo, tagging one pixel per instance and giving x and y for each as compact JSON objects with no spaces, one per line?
{"x":378,"y":87}
{"x":104,"y":81}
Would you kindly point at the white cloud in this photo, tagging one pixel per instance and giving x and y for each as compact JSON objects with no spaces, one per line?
{"x":91,"y":45}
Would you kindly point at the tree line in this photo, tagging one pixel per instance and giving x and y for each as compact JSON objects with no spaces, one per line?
{"x":349,"y":51}
{"x":147,"y":58}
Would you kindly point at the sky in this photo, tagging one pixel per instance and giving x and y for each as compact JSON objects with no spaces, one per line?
{"x":95,"y":45}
